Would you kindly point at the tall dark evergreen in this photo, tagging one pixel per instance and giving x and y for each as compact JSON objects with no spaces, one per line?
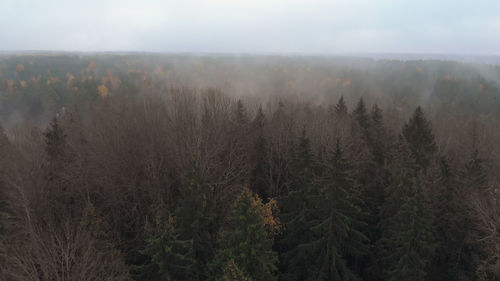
{"x":473,"y":184}
{"x":417,"y":132}
{"x":240,"y":114}
{"x":406,"y":246}
{"x":249,"y":244}
{"x":298,"y":215}
{"x":412,"y":238}
{"x":379,"y":142}
{"x":361,"y":116}
{"x":188,"y":241}
{"x":340,"y":108}
{"x":170,"y":258}
{"x":259,"y":177}
{"x":338,"y":240}
{"x":451,"y":227}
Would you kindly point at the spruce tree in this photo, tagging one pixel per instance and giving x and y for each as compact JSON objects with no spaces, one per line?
{"x":249,"y":242}
{"x":340,"y":108}
{"x":339,"y":241}
{"x":361,"y":116}
{"x":188,"y":241}
{"x":417,"y":132}
{"x":298,"y":215}
{"x":451,"y":226}
{"x":412,"y":238}
{"x":233,"y":273}
{"x":240,"y":114}
{"x":406,"y":246}
{"x":474,"y":182}
{"x":196,"y":221}
{"x":380,"y":139}
{"x":171,"y":258}
{"x":260,"y":173}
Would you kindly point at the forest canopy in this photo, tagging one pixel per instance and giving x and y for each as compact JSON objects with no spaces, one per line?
{"x":181,"y":167}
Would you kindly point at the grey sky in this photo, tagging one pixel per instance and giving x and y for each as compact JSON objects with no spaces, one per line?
{"x":256,"y":26}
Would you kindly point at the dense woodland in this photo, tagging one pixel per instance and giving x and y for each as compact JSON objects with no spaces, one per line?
{"x":171,"y":167}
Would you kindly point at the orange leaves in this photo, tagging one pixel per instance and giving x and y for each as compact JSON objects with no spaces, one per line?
{"x":69,"y":79}
{"x":346,"y":83}
{"x":447,"y":77}
{"x":103,"y":91}
{"x":20,"y":68}
{"x":53,"y":80}
{"x":111,"y":81}
{"x":418,"y":68}
{"x":91,"y":68}
{"x":268,"y":211}
{"x":10,"y":86}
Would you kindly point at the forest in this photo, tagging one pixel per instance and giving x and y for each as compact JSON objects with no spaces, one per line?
{"x":138,"y":166}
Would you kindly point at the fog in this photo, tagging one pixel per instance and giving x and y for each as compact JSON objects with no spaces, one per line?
{"x":273,"y":26}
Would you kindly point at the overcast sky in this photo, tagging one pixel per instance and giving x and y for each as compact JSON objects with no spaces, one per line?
{"x":256,"y":26}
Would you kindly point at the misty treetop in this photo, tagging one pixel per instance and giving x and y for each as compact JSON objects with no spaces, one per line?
{"x":170,"y":167}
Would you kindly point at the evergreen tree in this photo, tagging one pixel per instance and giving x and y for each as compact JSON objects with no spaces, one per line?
{"x":260,"y":173}
{"x":233,"y":273}
{"x":474,"y":182}
{"x":185,"y":247}
{"x":341,"y":108}
{"x":417,"y":132}
{"x":406,"y":246}
{"x":298,"y":215}
{"x":55,"y":142}
{"x":361,"y":116}
{"x":240,"y":115}
{"x":451,"y":226}
{"x":249,"y":243}
{"x":412,"y":238}
{"x":171,"y":258}
{"x":339,"y":240}
{"x":196,"y":221}
{"x":380,"y":140}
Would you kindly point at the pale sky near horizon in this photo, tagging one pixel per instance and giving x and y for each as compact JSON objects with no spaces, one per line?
{"x":258,"y":26}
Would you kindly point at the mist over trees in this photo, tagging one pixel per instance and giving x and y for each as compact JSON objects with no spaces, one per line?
{"x":170,"y":167}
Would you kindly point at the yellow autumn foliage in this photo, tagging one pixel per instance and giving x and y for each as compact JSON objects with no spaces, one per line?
{"x":268,"y":211}
{"x":103,"y":91}
{"x":20,"y":68}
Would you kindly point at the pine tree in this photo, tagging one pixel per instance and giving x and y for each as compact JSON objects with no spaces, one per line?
{"x":249,"y":243}
{"x":361,"y":116}
{"x":196,"y":221}
{"x":474,"y":182}
{"x":298,"y":215}
{"x":171,"y":258}
{"x":406,"y":246}
{"x":260,"y":173}
{"x":339,"y":240}
{"x":451,"y":226}
{"x":341,"y":107}
{"x":55,"y":142}
{"x":240,"y":114}
{"x":233,"y":273}
{"x":412,"y":238}
{"x":380,"y":140}
{"x":417,"y":132}
{"x":186,"y":246}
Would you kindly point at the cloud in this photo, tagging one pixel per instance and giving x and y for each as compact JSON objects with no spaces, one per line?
{"x":308,"y":26}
